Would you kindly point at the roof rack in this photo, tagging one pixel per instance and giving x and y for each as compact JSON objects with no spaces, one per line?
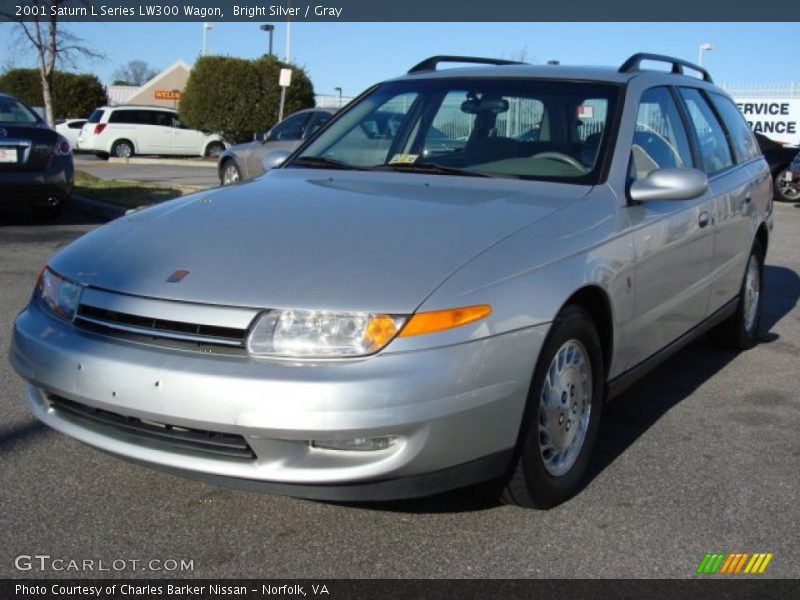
{"x":429,"y":64}
{"x":632,"y":64}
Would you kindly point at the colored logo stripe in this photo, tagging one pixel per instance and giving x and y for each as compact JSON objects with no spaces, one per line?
{"x":720,"y":562}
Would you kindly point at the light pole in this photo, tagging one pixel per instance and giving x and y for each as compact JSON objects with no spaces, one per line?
{"x":206,"y":27}
{"x":338,"y":89}
{"x":703,"y":48}
{"x":269,"y":29}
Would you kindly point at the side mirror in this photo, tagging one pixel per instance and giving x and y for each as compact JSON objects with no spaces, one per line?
{"x":669,"y":184}
{"x":273,"y":158}
{"x":261,"y":136}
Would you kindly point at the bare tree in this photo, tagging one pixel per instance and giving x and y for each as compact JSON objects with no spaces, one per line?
{"x":52,"y":45}
{"x":136,"y":72}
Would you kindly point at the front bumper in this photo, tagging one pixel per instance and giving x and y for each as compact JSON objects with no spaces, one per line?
{"x":35,"y":187}
{"x":456,"y":410}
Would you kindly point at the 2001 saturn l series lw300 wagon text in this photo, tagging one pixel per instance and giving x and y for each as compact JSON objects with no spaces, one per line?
{"x":441,"y":286}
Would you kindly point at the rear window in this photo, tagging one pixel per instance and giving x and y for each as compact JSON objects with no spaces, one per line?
{"x":14,"y":111}
{"x":96,"y":116}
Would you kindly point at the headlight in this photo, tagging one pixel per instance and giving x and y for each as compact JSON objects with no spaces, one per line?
{"x":57,"y":295}
{"x":317,"y":333}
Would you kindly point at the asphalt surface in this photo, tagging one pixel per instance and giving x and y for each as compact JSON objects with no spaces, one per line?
{"x":702,"y":456}
{"x":205,"y":176}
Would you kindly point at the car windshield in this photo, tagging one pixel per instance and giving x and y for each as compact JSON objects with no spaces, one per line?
{"x":14,"y":111}
{"x":503,"y":127}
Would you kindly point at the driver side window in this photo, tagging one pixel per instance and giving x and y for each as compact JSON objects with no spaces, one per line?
{"x":660,"y":140}
{"x":289,"y":129}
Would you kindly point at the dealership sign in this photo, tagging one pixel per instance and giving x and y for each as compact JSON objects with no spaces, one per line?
{"x":167,"y":95}
{"x":778,"y":119}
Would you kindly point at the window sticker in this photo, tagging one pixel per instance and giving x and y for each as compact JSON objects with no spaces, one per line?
{"x":405,"y":159}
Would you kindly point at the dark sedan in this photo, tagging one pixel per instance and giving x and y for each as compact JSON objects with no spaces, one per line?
{"x":778,"y":158}
{"x":35,"y":161}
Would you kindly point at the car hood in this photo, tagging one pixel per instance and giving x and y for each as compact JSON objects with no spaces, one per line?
{"x":302,"y":238}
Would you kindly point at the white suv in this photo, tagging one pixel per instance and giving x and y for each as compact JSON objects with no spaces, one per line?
{"x":123,"y":131}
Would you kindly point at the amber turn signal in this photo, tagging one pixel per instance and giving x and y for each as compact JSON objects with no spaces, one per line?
{"x":440,"y":320}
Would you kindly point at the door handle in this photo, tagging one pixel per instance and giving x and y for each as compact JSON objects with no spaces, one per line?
{"x":703,"y":220}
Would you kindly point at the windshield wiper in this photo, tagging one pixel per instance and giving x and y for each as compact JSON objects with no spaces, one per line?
{"x":424,"y":167}
{"x":321,"y":162}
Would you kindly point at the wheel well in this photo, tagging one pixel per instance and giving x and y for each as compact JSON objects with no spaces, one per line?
{"x":118,"y":140}
{"x":213,"y":143}
{"x":595,"y":301}
{"x":225,"y":162}
{"x":762,"y":235}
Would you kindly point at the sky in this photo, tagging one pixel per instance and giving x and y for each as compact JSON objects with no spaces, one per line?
{"x":353,"y":56}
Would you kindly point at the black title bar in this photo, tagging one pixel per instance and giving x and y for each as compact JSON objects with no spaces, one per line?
{"x":405,"y":11}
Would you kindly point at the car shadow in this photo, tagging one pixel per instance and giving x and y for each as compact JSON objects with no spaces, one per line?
{"x":634,"y":412}
{"x":20,"y":215}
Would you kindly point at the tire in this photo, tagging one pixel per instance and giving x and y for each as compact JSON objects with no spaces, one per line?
{"x":785,"y":192}
{"x":739,"y":332}
{"x":214,"y":149}
{"x":122,"y":149}
{"x":547,"y":469}
{"x":230,"y":173}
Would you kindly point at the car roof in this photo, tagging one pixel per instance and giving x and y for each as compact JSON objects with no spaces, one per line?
{"x":500,"y":68}
{"x":136,"y":107}
{"x":553,"y":72}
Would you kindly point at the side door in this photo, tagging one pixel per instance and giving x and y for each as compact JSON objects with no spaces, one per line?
{"x":673,"y":239}
{"x":185,"y":141}
{"x":157,"y":131}
{"x":735,"y":190}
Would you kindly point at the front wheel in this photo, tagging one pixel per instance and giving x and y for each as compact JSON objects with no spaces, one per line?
{"x":562,"y":416}
{"x":740,"y":330}
{"x":230,"y":173}
{"x":785,"y":190}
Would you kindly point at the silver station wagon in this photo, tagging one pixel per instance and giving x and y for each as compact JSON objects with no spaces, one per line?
{"x":442,"y":287}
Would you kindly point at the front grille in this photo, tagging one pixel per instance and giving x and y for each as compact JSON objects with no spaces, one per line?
{"x":170,"y":436}
{"x":119,"y":324}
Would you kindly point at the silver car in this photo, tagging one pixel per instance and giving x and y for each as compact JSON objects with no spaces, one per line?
{"x":374,"y":321}
{"x":245,"y":161}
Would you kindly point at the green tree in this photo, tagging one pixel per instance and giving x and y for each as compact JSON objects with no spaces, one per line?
{"x":74,"y":94}
{"x":239,"y":97}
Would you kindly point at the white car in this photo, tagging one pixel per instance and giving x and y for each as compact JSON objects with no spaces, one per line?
{"x":124,"y":131}
{"x":70,"y":129}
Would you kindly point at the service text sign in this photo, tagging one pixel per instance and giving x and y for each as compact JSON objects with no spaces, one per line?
{"x":778,"y":119}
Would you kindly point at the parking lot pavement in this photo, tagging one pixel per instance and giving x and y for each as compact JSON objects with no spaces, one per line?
{"x":189,"y":175}
{"x":702,"y":456}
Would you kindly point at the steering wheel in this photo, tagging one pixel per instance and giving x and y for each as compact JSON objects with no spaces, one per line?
{"x":563,"y":158}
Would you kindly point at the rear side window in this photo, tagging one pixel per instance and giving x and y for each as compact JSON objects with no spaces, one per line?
{"x":96,"y":116}
{"x":76,"y":124}
{"x":741,"y":138}
{"x":124,"y":116}
{"x":714,"y":149}
{"x":659,"y":141}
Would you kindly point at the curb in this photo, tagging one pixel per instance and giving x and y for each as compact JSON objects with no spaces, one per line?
{"x":172,"y":162}
{"x":95,"y":208}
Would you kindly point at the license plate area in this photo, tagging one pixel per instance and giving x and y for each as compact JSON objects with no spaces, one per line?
{"x":9,"y":154}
